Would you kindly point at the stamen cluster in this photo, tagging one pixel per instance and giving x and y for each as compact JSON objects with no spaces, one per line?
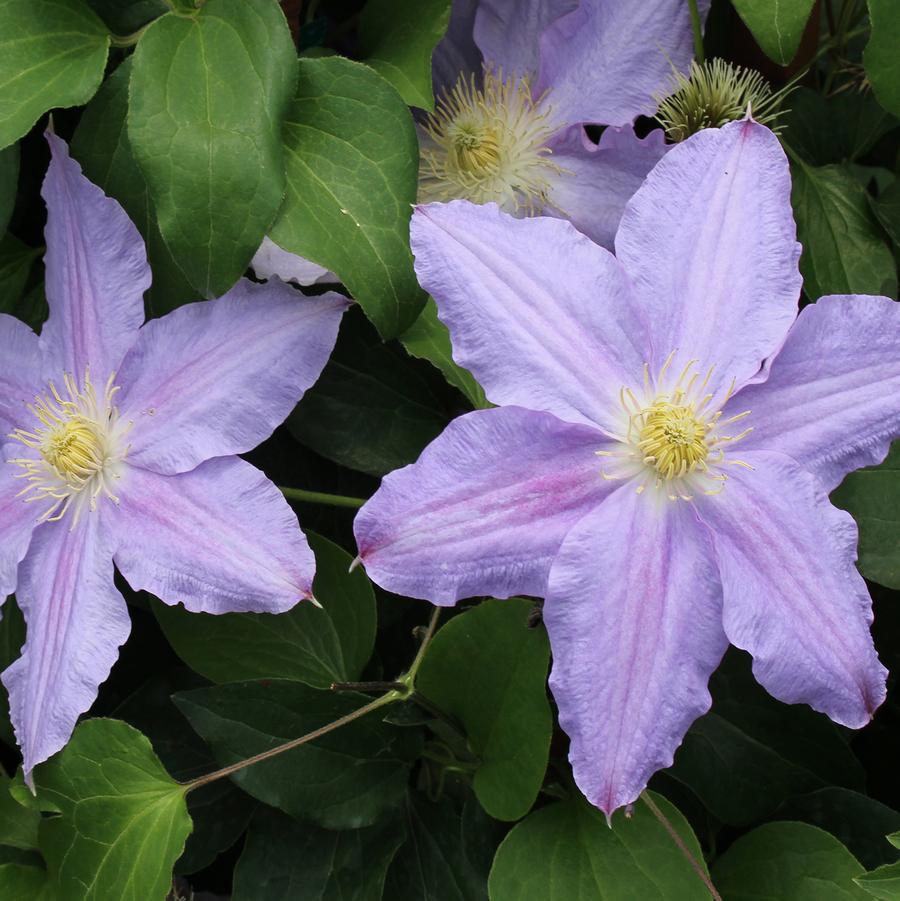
{"x":673,"y":439}
{"x":488,"y":144}
{"x":713,"y":93}
{"x":80,"y":445}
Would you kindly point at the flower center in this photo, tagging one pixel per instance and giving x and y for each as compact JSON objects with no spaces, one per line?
{"x":74,"y":449}
{"x":674,"y":438}
{"x":79,"y":447}
{"x":488,"y":144}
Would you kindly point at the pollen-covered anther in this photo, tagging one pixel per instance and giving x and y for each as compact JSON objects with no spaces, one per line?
{"x":487,"y":144}
{"x":674,"y":438}
{"x":80,"y":445}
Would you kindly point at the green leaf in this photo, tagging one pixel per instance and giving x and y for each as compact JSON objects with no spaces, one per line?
{"x":12,"y":637}
{"x":18,"y":825}
{"x":370,"y":410}
{"x":883,"y":883}
{"x":843,"y":250}
{"x":52,"y":54}
{"x":281,"y":854}
{"x":567,"y":851}
{"x":488,"y":669}
{"x":872,"y":497}
{"x":347,"y":779}
{"x":836,"y":129}
{"x":880,"y":57}
{"x":9,"y":180}
{"x":208,"y":95}
{"x":751,"y":752}
{"x":305,"y":644}
{"x":448,"y":851}
{"x":101,"y":145}
{"x":219,"y":811}
{"x":398,"y":38}
{"x":887,"y":209}
{"x":788,"y":862}
{"x":25,"y":883}
{"x":854,"y":819}
{"x":16,"y":260}
{"x":352,"y":162}
{"x":429,"y":339}
{"x":123,"y":820}
{"x":777,"y":25}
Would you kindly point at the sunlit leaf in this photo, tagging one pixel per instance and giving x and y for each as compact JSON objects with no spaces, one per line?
{"x":123,"y":820}
{"x":52,"y":54}
{"x":352,"y":162}
{"x":208,"y":94}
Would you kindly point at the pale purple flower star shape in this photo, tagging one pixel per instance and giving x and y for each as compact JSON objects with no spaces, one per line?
{"x":618,"y":478}
{"x":119,"y":446}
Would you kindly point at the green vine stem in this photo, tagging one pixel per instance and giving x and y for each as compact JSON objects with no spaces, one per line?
{"x":673,"y":834}
{"x":401,"y":693}
{"x":697,"y":26}
{"x":321,"y":497}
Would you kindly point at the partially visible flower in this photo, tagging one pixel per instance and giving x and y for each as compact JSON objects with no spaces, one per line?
{"x":714,"y":93}
{"x":119,"y":447}
{"x":510,"y":130}
{"x":659,"y":464}
{"x":271,"y":260}
{"x":516,"y":81}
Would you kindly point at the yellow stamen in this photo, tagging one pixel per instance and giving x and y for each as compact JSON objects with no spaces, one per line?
{"x":487,"y":144}
{"x":79,"y":444}
{"x":675,"y":434}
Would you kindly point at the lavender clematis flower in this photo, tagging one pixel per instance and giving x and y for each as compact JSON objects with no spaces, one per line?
{"x":120,"y":448}
{"x":659,"y":465}
{"x":513,"y":133}
{"x":516,"y":80}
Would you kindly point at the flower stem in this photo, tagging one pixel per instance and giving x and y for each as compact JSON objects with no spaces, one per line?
{"x":368,"y":686}
{"x":697,"y":26}
{"x":320,"y":497}
{"x":698,"y":868}
{"x":410,"y":675}
{"x":295,"y":743}
{"x":400,"y":690}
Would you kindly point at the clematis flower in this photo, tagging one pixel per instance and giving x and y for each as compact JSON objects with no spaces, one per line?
{"x":659,"y":464}
{"x":120,"y":444}
{"x":515,"y":84}
{"x":515,"y":81}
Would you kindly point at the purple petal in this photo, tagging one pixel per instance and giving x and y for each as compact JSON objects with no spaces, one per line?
{"x":219,"y":539}
{"x":20,"y":373}
{"x":634,"y":614}
{"x":608,"y":60}
{"x":540,"y":315}
{"x":271,"y":260}
{"x":597,"y":180}
{"x":832,"y":398}
{"x":792,"y":595}
{"x":17,"y":521}
{"x":96,"y":276}
{"x":76,"y":622}
{"x":456,"y":52}
{"x":216,"y":377}
{"x":484,"y":509}
{"x":508,"y":32}
{"x":710,"y":244}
